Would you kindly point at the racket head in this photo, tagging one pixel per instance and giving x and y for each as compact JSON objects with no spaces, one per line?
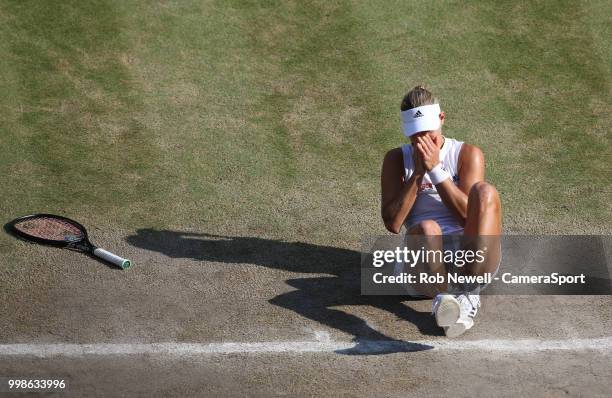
{"x":49,"y":229}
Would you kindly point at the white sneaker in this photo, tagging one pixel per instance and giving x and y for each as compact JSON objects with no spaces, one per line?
{"x":469,"y":304}
{"x":446,"y":309}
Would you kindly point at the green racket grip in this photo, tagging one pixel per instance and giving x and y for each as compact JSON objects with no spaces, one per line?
{"x":112,"y":258}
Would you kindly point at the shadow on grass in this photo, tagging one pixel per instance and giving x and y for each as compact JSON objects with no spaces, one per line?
{"x":314,"y":296}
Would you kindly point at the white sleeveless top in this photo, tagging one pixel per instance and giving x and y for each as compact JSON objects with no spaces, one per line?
{"x":428,"y":204}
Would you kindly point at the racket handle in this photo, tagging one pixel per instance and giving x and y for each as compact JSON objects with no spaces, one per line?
{"x":112,"y":258}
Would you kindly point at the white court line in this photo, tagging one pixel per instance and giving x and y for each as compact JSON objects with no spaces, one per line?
{"x":323,"y":344}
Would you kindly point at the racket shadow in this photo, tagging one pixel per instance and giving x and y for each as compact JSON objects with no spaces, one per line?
{"x":314,"y":297}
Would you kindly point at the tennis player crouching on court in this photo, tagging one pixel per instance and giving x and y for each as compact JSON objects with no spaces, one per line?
{"x":435,"y":186}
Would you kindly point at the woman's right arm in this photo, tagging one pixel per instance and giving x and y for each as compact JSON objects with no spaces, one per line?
{"x":397,"y":195}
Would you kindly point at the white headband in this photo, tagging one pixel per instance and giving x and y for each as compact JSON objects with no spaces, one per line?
{"x":421,"y":118}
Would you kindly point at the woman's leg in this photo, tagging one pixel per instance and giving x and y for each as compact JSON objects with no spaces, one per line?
{"x":430,"y":237}
{"x":483,"y":227}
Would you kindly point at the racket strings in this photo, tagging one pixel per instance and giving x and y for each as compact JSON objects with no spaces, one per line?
{"x":50,"y":228}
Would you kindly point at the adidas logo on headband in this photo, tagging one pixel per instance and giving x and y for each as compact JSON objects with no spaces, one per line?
{"x":422,"y":118}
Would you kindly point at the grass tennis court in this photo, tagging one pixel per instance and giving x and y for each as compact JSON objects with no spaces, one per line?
{"x":278,"y":114}
{"x":269,"y":120}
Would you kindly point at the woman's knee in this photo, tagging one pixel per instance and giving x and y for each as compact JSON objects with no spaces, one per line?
{"x":485,"y":195}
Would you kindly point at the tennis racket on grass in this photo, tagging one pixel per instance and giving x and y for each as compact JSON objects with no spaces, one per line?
{"x":60,"y":231}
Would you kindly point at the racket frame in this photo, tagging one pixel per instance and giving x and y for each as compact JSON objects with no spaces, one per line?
{"x":31,"y":238}
{"x":83,"y":244}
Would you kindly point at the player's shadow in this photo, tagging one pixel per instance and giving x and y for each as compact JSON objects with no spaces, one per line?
{"x":314,"y":297}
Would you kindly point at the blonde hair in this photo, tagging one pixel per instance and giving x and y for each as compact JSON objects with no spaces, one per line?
{"x":416,"y":97}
